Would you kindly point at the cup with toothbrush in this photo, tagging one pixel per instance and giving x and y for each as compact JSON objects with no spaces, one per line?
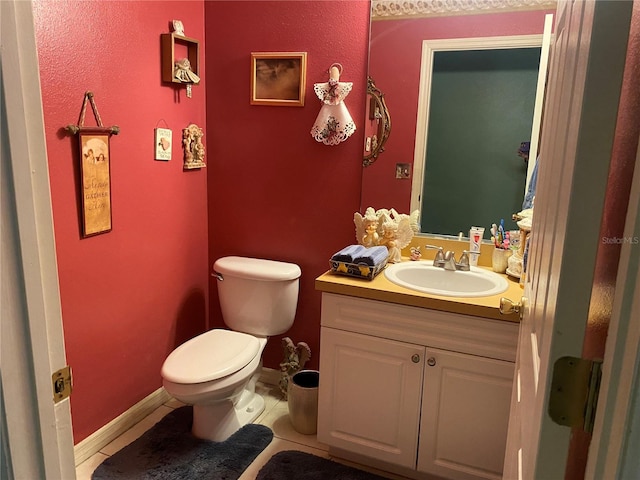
{"x":501,"y":251}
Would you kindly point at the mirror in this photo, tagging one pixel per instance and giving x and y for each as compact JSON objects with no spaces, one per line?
{"x":398,"y":30}
{"x":377,"y":124}
{"x":480,"y":99}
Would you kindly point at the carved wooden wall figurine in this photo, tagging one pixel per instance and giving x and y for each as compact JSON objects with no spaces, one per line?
{"x":193,"y":147}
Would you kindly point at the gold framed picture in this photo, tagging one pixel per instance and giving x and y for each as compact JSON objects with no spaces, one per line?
{"x":96,"y":182}
{"x":278,"y":78}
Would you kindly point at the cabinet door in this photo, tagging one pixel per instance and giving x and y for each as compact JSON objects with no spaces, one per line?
{"x":369,"y":395}
{"x":465,"y":414}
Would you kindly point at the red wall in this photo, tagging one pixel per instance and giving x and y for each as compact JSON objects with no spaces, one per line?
{"x":396,"y":50}
{"x":132,"y":295}
{"x":274,"y":192}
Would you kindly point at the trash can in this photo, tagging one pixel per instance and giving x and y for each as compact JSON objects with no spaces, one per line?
{"x":303,"y":401}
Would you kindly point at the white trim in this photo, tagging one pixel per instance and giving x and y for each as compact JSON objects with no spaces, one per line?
{"x":116,"y":427}
{"x":429,"y":48}
{"x":39,"y":434}
{"x":540,"y":95}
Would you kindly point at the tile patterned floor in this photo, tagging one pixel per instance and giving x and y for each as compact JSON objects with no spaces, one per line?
{"x":275,"y":416}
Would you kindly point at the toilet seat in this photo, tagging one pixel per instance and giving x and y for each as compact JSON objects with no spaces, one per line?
{"x":210,"y":356}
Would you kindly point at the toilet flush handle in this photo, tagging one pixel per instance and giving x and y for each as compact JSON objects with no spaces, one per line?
{"x":217,"y":275}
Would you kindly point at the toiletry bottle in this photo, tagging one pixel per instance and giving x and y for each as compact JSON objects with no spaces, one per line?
{"x":475,"y":239}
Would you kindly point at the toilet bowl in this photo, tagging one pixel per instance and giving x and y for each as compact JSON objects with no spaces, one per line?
{"x":216,"y":371}
{"x":212,"y":372}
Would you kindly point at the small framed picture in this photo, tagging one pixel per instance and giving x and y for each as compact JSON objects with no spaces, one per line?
{"x":163,"y":144}
{"x":278,"y":78}
{"x":96,"y":182}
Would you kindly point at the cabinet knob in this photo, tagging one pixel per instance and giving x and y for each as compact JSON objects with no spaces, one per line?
{"x":431,"y":361}
{"x":415,"y":358}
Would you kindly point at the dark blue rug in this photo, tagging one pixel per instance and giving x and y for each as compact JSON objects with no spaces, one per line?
{"x":168,"y":451}
{"x":295,"y":465}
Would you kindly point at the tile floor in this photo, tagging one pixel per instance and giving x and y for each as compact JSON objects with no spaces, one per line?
{"x":275,"y":416}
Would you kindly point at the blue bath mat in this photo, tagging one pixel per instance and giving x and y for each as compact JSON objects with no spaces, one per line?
{"x":168,"y":451}
{"x":295,"y":465}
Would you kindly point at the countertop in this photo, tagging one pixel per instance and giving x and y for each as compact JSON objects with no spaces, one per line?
{"x":380,"y":288}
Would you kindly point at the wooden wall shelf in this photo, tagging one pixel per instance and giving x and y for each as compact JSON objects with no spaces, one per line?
{"x":169,"y":41}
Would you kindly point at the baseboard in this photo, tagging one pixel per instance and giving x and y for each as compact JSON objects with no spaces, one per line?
{"x":116,"y":427}
{"x":270,"y":376}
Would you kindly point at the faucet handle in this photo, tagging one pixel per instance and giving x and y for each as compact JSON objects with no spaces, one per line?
{"x":463,"y":264}
{"x":438,"y":261}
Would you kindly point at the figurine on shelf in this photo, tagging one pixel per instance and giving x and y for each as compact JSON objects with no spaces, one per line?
{"x":182,"y":72}
{"x":178,"y":27}
{"x":295,"y":356}
{"x":193,"y":147}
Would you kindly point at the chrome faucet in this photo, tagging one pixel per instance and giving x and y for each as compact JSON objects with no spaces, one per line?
{"x":447,"y":260}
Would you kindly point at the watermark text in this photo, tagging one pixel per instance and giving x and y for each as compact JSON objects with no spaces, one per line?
{"x":621,"y":240}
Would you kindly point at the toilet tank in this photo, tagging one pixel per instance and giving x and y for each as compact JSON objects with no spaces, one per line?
{"x":257,"y":296}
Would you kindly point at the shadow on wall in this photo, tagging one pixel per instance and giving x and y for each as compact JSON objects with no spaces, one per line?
{"x":191,"y":319}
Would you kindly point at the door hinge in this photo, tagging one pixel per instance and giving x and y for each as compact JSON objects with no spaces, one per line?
{"x":575,"y":386}
{"x":62,"y":384}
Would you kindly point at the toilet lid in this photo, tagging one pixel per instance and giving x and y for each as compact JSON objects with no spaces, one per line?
{"x":209,"y":356}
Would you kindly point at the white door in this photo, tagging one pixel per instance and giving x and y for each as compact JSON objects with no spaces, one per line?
{"x":588,"y":56}
{"x":37,"y":441}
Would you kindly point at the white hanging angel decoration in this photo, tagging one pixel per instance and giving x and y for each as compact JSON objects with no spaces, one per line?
{"x":334,"y":123}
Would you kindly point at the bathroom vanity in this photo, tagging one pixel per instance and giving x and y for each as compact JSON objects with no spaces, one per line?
{"x":412,"y":383}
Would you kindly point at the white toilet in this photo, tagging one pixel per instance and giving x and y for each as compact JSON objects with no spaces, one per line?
{"x":216,"y":371}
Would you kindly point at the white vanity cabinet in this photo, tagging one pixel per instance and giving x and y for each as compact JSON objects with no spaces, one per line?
{"x":423,"y":390}
{"x":464,"y":416}
{"x":369,"y":397}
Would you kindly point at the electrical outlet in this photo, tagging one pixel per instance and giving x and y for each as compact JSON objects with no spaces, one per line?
{"x":403,"y":170}
{"x":367,"y":145}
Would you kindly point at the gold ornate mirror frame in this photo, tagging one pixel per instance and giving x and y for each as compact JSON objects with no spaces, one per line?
{"x":380,"y":113}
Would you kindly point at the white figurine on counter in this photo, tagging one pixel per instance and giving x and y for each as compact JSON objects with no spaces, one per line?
{"x":388,"y":228}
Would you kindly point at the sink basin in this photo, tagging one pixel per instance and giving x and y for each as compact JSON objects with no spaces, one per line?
{"x":424,"y":277}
